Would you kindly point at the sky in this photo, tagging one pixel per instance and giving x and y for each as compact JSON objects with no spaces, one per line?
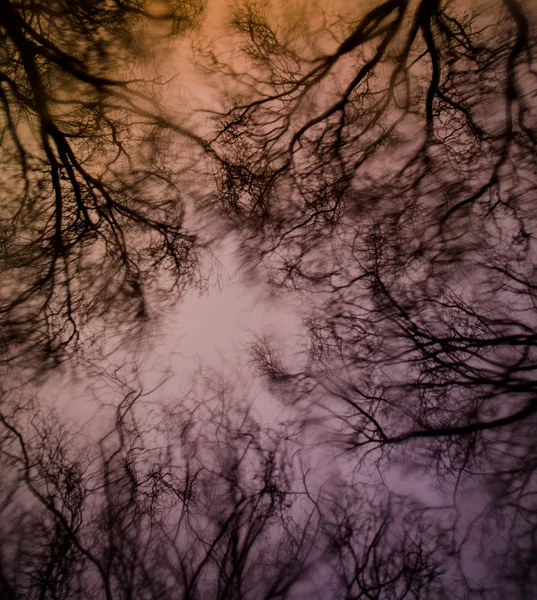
{"x":210,"y":332}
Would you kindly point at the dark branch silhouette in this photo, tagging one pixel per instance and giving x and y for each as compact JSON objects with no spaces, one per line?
{"x":392,"y":179}
{"x":199,"y":502}
{"x":92,"y":219}
{"x":383,"y":167}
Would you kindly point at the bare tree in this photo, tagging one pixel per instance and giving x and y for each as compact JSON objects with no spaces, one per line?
{"x":384,"y":166}
{"x":198,"y":508}
{"x":385,"y":548}
{"x":199,"y":501}
{"x":92,"y":218}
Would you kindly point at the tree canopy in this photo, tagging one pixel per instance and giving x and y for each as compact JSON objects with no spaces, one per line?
{"x":92,"y":217}
{"x":378,"y":162}
{"x":383,"y":165}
